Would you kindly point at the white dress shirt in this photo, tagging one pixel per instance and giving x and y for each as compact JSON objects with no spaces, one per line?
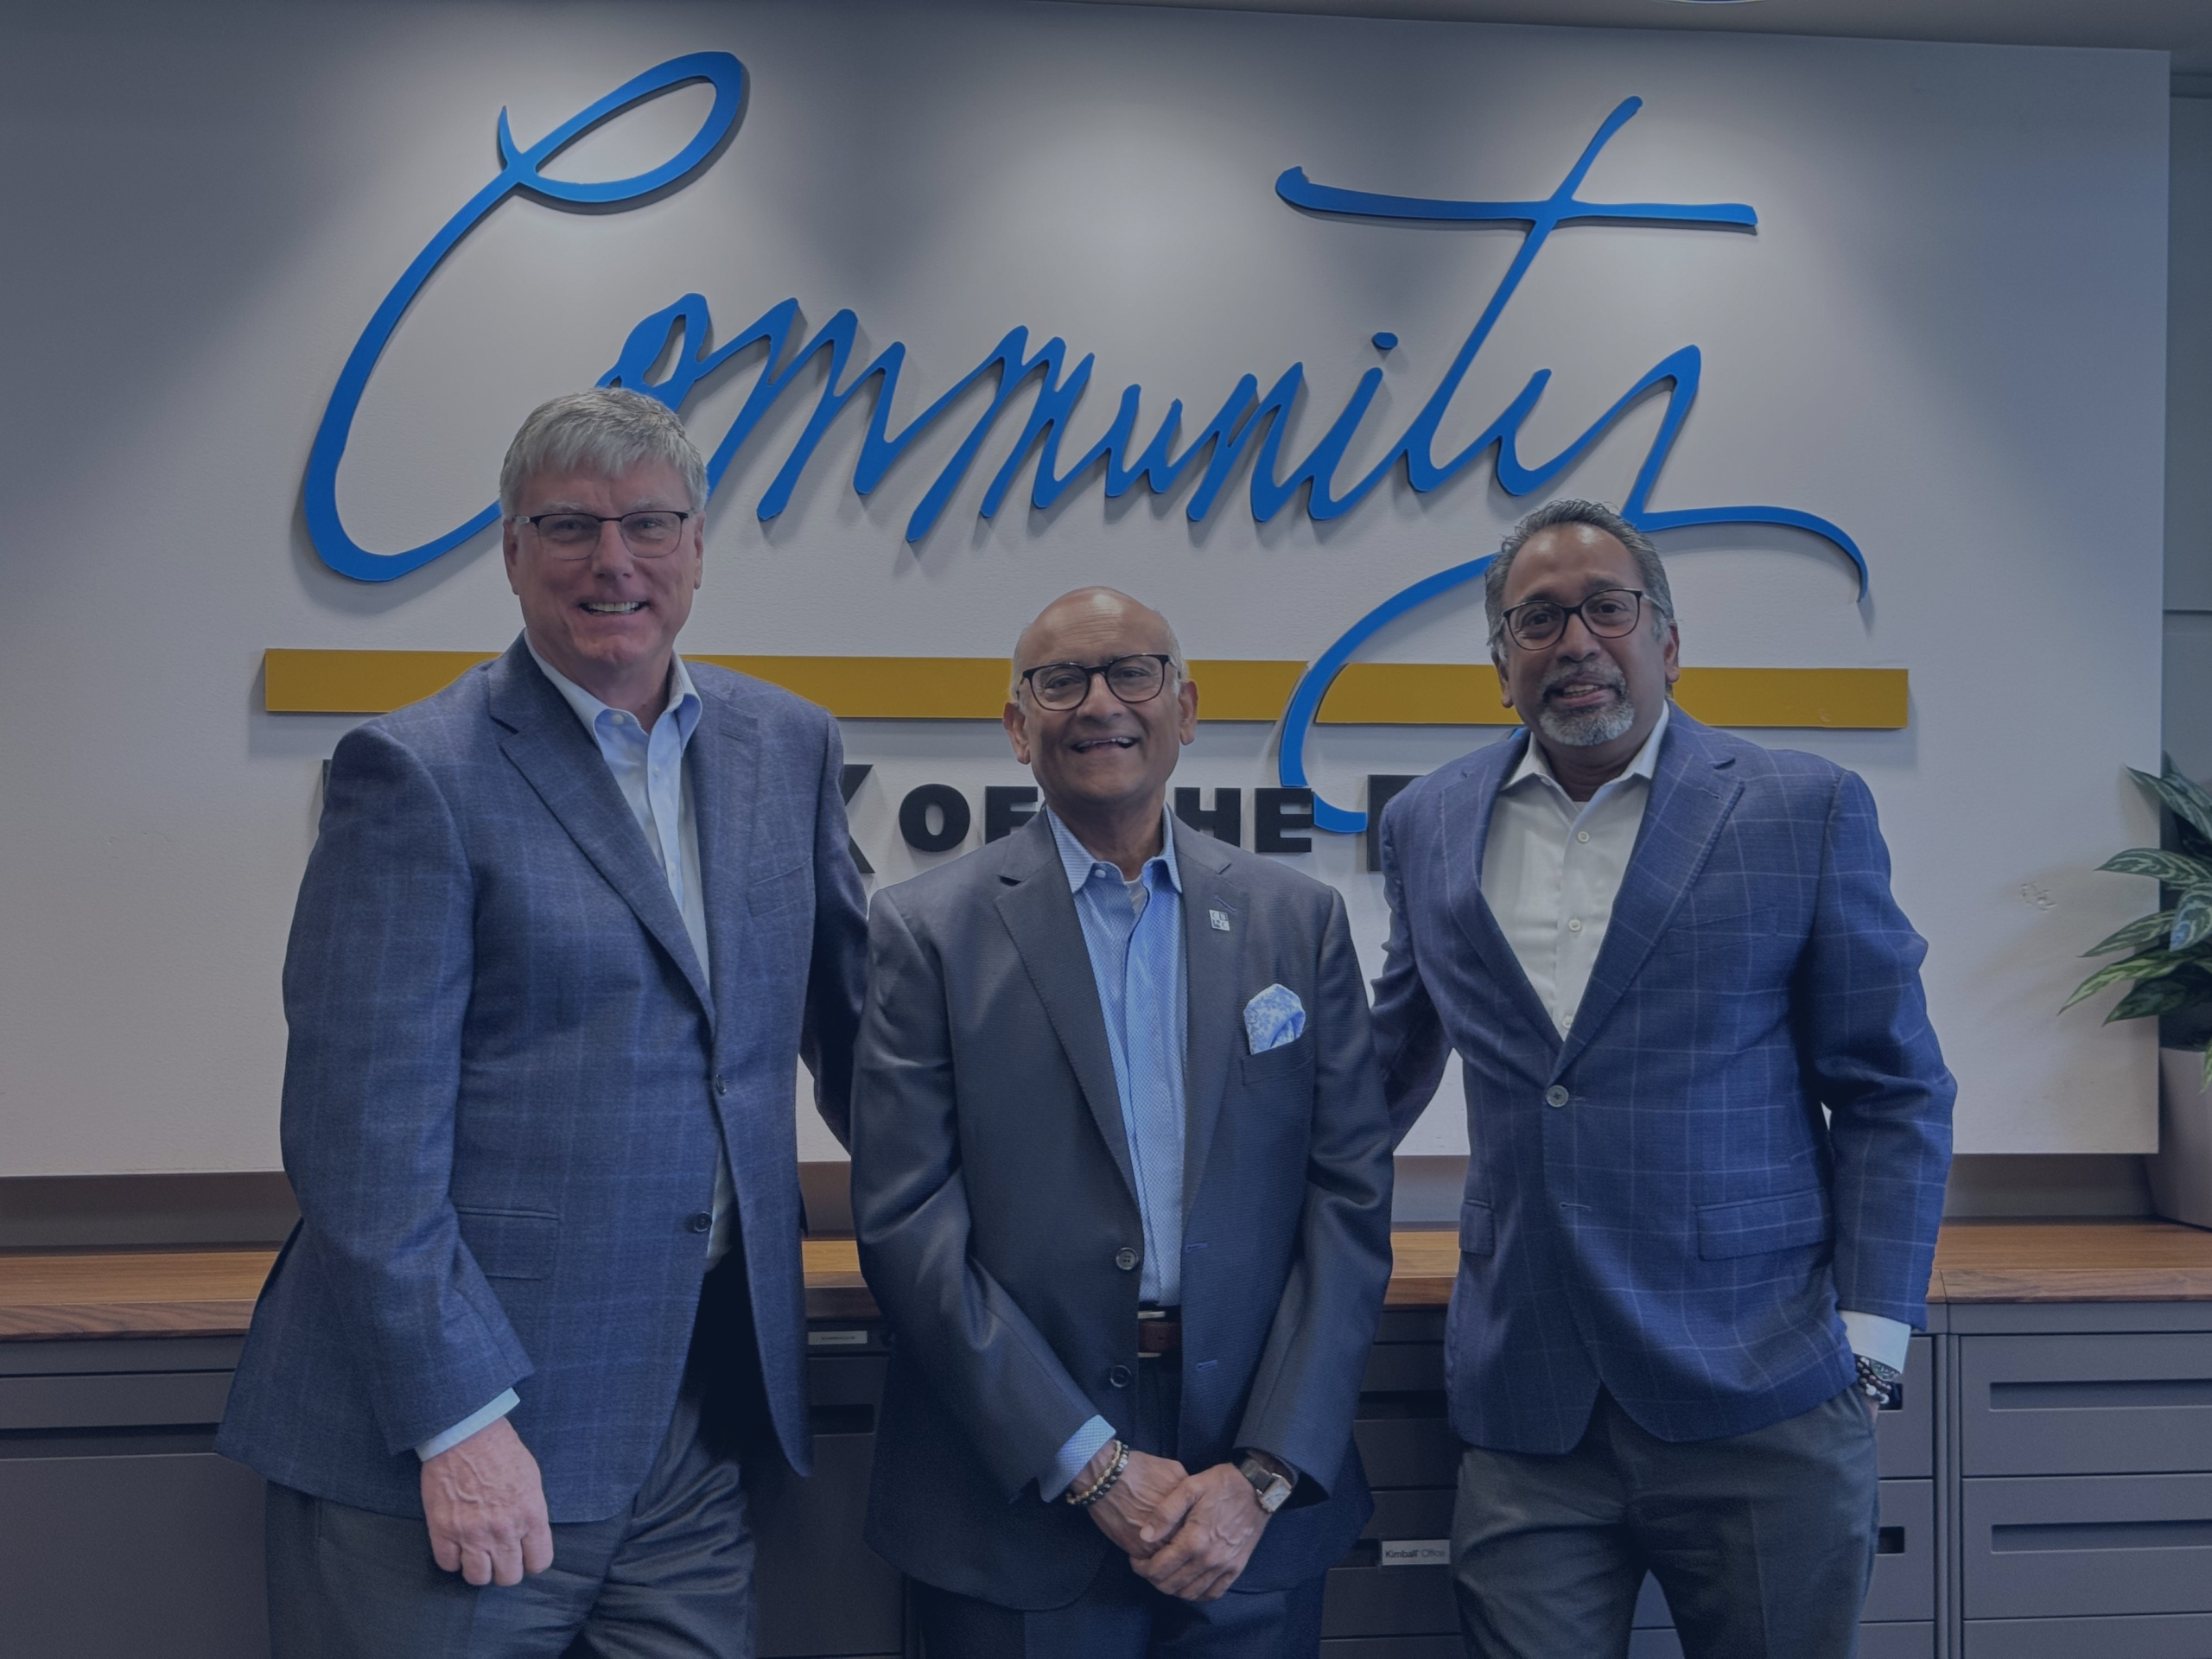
{"x":648,"y":768}
{"x":1551,"y":871}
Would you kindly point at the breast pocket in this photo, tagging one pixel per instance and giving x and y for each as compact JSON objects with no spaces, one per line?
{"x":1280,"y":1064}
{"x":511,"y":1243}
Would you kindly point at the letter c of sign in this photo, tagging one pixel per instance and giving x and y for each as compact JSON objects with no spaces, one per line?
{"x":520,"y":171}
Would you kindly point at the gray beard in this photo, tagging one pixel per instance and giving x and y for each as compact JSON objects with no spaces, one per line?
{"x":1586,"y":729}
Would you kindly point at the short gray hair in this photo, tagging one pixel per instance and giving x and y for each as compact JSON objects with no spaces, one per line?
{"x":607,"y":431}
{"x":1598,"y":516}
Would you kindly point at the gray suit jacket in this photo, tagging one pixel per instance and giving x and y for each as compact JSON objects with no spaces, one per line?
{"x":508,"y":1086}
{"x":992,"y":1191}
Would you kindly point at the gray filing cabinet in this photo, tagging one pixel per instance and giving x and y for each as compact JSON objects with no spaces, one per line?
{"x":107,"y":1457}
{"x":2084,"y":1436}
{"x":2046,"y":1494}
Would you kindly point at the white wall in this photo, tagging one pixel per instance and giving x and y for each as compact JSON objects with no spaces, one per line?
{"x":1947,"y":334}
{"x":2189,"y":444}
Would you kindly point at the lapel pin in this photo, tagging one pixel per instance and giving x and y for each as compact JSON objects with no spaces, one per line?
{"x":1220,"y":920}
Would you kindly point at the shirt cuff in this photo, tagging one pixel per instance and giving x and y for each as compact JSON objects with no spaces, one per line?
{"x":1883,"y":1341}
{"x":507,"y":1402}
{"x":1083,"y":1445}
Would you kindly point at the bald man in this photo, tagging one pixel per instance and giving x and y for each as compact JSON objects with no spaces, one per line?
{"x":1122,"y":1174}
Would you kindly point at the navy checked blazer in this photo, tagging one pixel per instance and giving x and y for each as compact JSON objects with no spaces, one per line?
{"x":1653,"y":1204}
{"x":507,"y":1087}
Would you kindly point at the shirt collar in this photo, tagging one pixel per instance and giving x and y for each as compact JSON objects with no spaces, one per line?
{"x":683,"y":696}
{"x":1077,"y":860}
{"x":1646,"y":764}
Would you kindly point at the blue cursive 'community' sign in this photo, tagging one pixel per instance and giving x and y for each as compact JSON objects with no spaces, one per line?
{"x":1250,"y":422}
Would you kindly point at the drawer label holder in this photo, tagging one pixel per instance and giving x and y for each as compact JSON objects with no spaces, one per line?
{"x":1416,"y":1552}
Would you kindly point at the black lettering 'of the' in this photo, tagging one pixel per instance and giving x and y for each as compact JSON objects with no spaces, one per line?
{"x":1382,"y":788}
{"x":1275,"y":812}
{"x":1226,"y":820}
{"x":1007,"y":807}
{"x":953,"y":818}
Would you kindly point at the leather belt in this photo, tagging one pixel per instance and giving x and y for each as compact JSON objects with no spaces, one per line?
{"x":1159,"y":1330}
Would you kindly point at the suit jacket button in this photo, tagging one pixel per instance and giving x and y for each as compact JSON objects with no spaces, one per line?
{"x":1556,"y":1095}
{"x":1125,"y":1258}
{"x":700,"y":1222}
{"x":722,"y":1085}
{"x":1119,"y":1376}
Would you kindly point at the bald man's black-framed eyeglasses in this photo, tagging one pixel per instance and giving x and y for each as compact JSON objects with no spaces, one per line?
{"x":648,"y":533}
{"x":1062,"y":686}
{"x":1610,"y":614}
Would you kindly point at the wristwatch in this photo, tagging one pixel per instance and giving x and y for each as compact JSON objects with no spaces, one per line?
{"x":1271,"y":1489}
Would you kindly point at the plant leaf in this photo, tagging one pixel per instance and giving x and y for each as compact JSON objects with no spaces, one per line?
{"x":2155,"y":996}
{"x":2182,"y":798}
{"x":2192,"y":919}
{"x":2144,"y":966}
{"x":2173,"y":869}
{"x":2149,"y":930}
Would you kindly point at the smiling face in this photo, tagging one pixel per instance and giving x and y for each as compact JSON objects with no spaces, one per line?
{"x":1595,"y":699}
{"x":608,"y":620}
{"x":1104,"y":757}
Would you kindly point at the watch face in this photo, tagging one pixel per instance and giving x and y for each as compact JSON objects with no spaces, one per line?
{"x":1272,"y":1499}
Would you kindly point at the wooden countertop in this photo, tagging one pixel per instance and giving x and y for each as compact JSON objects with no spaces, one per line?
{"x":210,"y":1292}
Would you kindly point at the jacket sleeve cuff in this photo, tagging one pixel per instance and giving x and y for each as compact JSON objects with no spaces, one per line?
{"x":1883,"y":1341}
{"x":1082,"y":1447}
{"x":507,"y":1402}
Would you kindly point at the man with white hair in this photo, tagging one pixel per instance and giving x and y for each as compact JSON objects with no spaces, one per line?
{"x":569,"y":928}
{"x":1709,"y":1123}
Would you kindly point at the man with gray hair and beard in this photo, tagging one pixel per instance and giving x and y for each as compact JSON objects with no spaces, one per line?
{"x":1709,"y":1129}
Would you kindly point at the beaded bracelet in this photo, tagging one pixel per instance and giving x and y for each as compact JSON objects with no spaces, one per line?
{"x":1876,"y":1379}
{"x":1104,"y":1484}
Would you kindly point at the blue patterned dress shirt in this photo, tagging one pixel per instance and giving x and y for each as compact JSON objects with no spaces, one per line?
{"x":1133,"y":932}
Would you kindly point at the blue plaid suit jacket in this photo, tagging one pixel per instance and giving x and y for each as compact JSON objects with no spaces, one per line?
{"x":1680,"y":1229}
{"x":508,"y":1085}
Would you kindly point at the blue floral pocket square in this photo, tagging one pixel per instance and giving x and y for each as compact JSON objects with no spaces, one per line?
{"x":1272,"y":1018}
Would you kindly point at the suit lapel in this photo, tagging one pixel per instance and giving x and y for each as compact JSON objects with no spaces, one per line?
{"x":1039,"y":911}
{"x":1464,"y":814}
{"x":1212,"y":958}
{"x":723,"y":760}
{"x":549,"y":745}
{"x":1691,"y":794}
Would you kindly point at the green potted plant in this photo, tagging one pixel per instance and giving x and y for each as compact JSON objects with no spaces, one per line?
{"x":2165,"y":961}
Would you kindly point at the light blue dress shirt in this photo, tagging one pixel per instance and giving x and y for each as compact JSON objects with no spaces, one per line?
{"x":648,"y":768}
{"x":1133,"y":932}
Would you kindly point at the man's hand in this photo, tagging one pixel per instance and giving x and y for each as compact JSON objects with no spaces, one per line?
{"x":486,"y":1507}
{"x":1124,"y":1512}
{"x":1199,"y":1538}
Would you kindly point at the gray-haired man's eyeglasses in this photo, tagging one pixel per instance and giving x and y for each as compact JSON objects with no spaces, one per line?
{"x":649,"y":533}
{"x":1062,"y":686}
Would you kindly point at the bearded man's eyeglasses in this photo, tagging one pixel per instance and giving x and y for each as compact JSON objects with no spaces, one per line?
{"x":1611,"y":613}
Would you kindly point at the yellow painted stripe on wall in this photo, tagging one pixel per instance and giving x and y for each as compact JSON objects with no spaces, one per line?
{"x":974,"y":688}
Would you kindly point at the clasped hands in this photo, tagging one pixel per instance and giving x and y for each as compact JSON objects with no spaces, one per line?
{"x":1188,"y":1535}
